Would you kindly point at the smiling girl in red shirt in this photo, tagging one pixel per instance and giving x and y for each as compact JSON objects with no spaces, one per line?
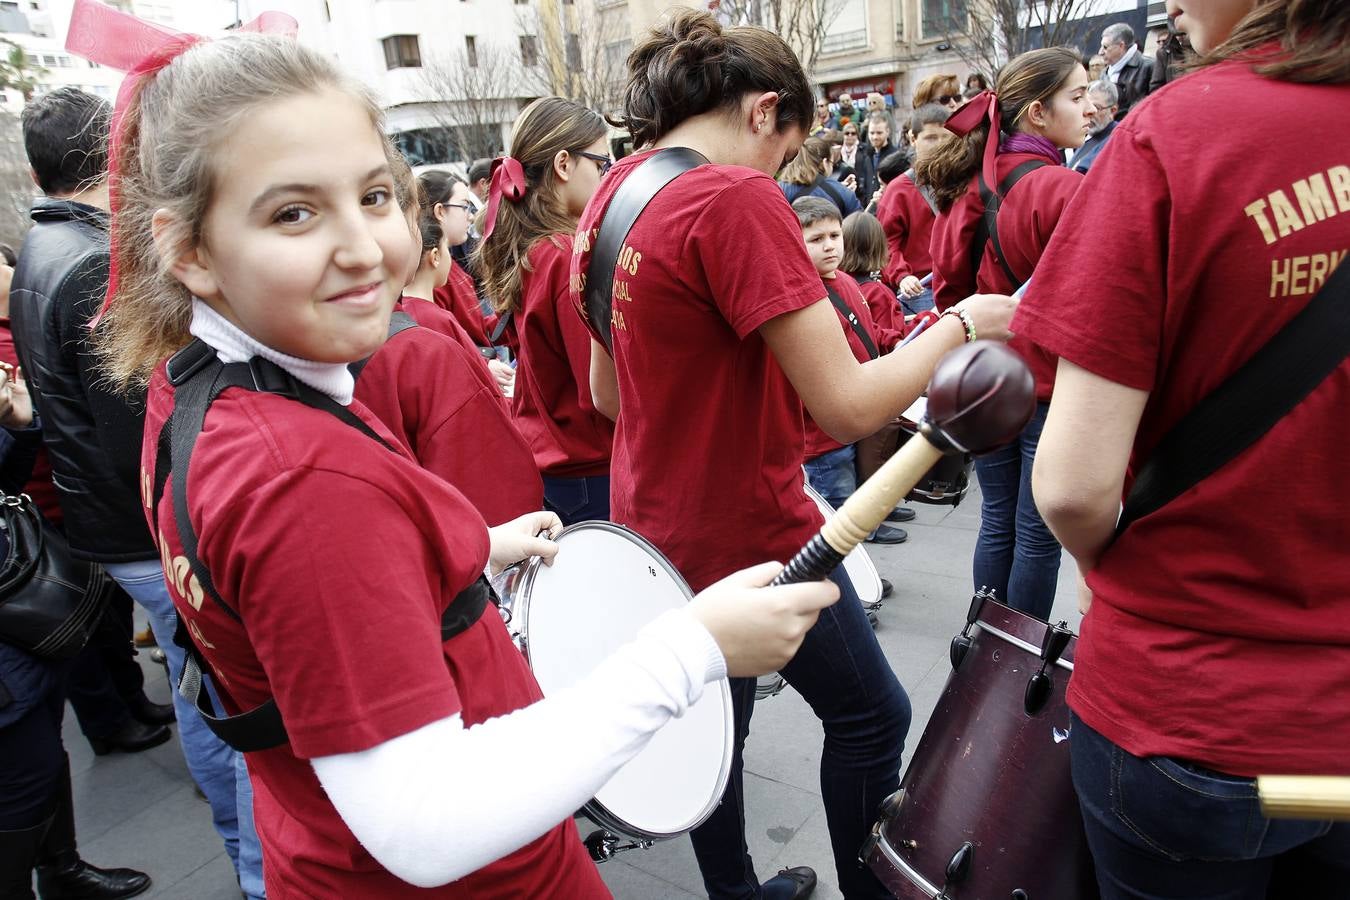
{"x":253,"y":200}
{"x":1040,"y":107}
{"x":558,"y":153}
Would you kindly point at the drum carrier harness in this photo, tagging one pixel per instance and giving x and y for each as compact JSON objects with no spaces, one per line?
{"x":199,"y":377}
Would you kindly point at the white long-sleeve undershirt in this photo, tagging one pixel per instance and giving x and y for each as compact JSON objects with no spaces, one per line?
{"x":443,"y":801}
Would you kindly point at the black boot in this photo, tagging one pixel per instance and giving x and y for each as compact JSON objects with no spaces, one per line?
{"x":62,"y":875}
{"x":132,"y":737}
{"x":147,"y":712}
{"x":18,"y":855}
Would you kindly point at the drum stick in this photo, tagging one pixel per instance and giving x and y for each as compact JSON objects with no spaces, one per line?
{"x":926,"y":280}
{"x":1317,"y":797}
{"x":980,"y":397}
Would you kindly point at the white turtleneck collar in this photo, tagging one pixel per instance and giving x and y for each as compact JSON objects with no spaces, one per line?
{"x":232,"y":345}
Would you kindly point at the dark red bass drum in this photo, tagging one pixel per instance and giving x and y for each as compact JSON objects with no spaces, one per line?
{"x":986,"y":809}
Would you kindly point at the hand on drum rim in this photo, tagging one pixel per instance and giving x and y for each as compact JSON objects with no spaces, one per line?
{"x":533,"y":534}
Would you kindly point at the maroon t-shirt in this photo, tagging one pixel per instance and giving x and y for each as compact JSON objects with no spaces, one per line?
{"x":1026,"y":220}
{"x":459,"y":297}
{"x":887,"y":318}
{"x":339,"y":556}
{"x":1220,"y":625}
{"x":552,"y":400}
{"x":908,"y":222}
{"x":708,"y":448}
{"x":817,"y":441}
{"x":429,"y":390}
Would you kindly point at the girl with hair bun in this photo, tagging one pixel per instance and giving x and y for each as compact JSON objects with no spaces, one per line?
{"x":558,"y":153}
{"x":1010,"y":142}
{"x":1217,"y":637}
{"x":721,"y":334}
{"x":333,"y":578}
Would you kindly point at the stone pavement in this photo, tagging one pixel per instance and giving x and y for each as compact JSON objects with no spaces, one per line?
{"x":141,"y":811}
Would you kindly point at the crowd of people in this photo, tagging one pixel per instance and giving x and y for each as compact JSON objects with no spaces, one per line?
{"x":300,"y":405}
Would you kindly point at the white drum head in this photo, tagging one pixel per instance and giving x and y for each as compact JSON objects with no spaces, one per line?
{"x":604,"y":586}
{"x":857,"y":565}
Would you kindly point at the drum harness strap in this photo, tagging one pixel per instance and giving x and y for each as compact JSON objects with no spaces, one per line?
{"x":1248,"y":403}
{"x":987,"y":229}
{"x":854,"y":322}
{"x":628,"y":202}
{"x":199,"y":377}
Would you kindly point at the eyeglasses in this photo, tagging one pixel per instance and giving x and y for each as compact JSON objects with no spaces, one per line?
{"x":604,"y":162}
{"x":947,"y":98}
{"x":464,"y":206}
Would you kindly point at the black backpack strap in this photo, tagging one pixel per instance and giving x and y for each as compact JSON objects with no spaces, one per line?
{"x":987,"y":229}
{"x":1249,"y":403}
{"x":628,"y":202}
{"x":503,"y":322}
{"x":854,"y":322}
{"x":399,"y":322}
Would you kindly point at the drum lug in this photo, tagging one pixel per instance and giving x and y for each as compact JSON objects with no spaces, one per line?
{"x":962,"y":643}
{"x":958,"y":867}
{"x":1039,"y":687}
{"x":602,"y":845}
{"x":890,"y":807}
{"x":870,"y":844}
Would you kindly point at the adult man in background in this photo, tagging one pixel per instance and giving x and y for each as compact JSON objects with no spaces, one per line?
{"x":94,"y":436}
{"x":1126,"y":67}
{"x":1104,"y":96}
{"x":877,"y":148}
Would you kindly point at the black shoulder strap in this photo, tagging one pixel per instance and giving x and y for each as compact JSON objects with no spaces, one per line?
{"x":399,"y":322}
{"x":987,"y":230}
{"x":1247,"y":405}
{"x":628,"y":202}
{"x":503,"y":322}
{"x":852,"y":318}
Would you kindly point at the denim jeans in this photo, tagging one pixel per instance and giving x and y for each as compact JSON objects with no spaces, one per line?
{"x":577,"y":499}
{"x":1164,"y":829}
{"x":1015,"y":554}
{"x":214,"y":766}
{"x":842,"y":673}
{"x":833,"y":475}
{"x":914,"y":305}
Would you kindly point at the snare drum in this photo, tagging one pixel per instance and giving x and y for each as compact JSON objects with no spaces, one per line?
{"x":605,"y":585}
{"x":987,"y":808}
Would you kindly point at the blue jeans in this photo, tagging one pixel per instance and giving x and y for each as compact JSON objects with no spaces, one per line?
{"x":1015,"y":554}
{"x":833,"y":475}
{"x":577,"y":499}
{"x":1165,"y":829}
{"x":842,"y":673}
{"x":215,"y":767}
{"x":914,"y":305}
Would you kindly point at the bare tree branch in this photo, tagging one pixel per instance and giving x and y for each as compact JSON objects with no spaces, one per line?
{"x":803,"y":24}
{"x":16,"y":186}
{"x":584,"y":50}
{"x":988,"y":33}
{"x":470,"y":95}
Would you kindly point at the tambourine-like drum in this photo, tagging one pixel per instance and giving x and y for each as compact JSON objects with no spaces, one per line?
{"x":860,"y":570}
{"x":605,"y":585}
{"x":986,"y":808}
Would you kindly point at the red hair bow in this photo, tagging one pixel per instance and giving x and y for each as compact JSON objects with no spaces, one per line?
{"x":508,"y":180}
{"x":981,"y":108}
{"x":119,"y":40}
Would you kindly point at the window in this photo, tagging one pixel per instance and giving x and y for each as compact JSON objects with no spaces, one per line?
{"x":401,"y":51}
{"x":847,"y":30}
{"x":529,"y":50}
{"x":942,"y":18}
{"x":572,"y":52}
{"x":471,"y":50}
{"x":616,"y":55}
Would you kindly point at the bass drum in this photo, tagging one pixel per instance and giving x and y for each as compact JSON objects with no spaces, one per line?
{"x":604,"y":586}
{"x":986,"y":808}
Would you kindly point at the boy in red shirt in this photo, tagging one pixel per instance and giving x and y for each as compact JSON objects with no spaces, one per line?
{"x":907,"y":213}
{"x":830,"y":464}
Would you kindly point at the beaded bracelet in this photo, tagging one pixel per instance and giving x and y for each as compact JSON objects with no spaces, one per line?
{"x":966,"y":321}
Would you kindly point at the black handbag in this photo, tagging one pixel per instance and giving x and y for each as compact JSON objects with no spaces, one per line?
{"x":49,"y":600}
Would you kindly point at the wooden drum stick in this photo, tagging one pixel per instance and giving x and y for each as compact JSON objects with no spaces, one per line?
{"x":1317,"y":797}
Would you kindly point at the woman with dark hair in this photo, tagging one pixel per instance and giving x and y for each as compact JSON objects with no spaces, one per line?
{"x":811,"y":174}
{"x":558,"y":154}
{"x":1039,"y":107}
{"x":721,"y":334}
{"x":1216,"y":643}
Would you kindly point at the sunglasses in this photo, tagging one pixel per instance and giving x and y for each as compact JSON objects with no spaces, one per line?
{"x":948,"y":98}
{"x":604,"y":162}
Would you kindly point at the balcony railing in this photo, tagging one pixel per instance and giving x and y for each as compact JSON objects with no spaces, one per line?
{"x":843,"y":40}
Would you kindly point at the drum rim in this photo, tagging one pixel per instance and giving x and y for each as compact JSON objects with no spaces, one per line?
{"x":594,"y":809}
{"x":901,"y":865}
{"x":1019,"y":643}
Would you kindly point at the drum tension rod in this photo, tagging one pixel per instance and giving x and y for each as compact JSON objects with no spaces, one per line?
{"x":962,"y":643}
{"x":602,"y":845}
{"x":1039,"y":687}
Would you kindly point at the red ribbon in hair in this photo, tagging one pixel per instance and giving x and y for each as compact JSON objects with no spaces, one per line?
{"x":981,"y":108}
{"x":119,"y":40}
{"x":508,"y":180}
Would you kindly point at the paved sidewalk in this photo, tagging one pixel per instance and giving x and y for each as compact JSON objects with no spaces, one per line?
{"x":141,"y":811}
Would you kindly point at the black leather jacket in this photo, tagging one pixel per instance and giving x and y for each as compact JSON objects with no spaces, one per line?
{"x":93,"y":436}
